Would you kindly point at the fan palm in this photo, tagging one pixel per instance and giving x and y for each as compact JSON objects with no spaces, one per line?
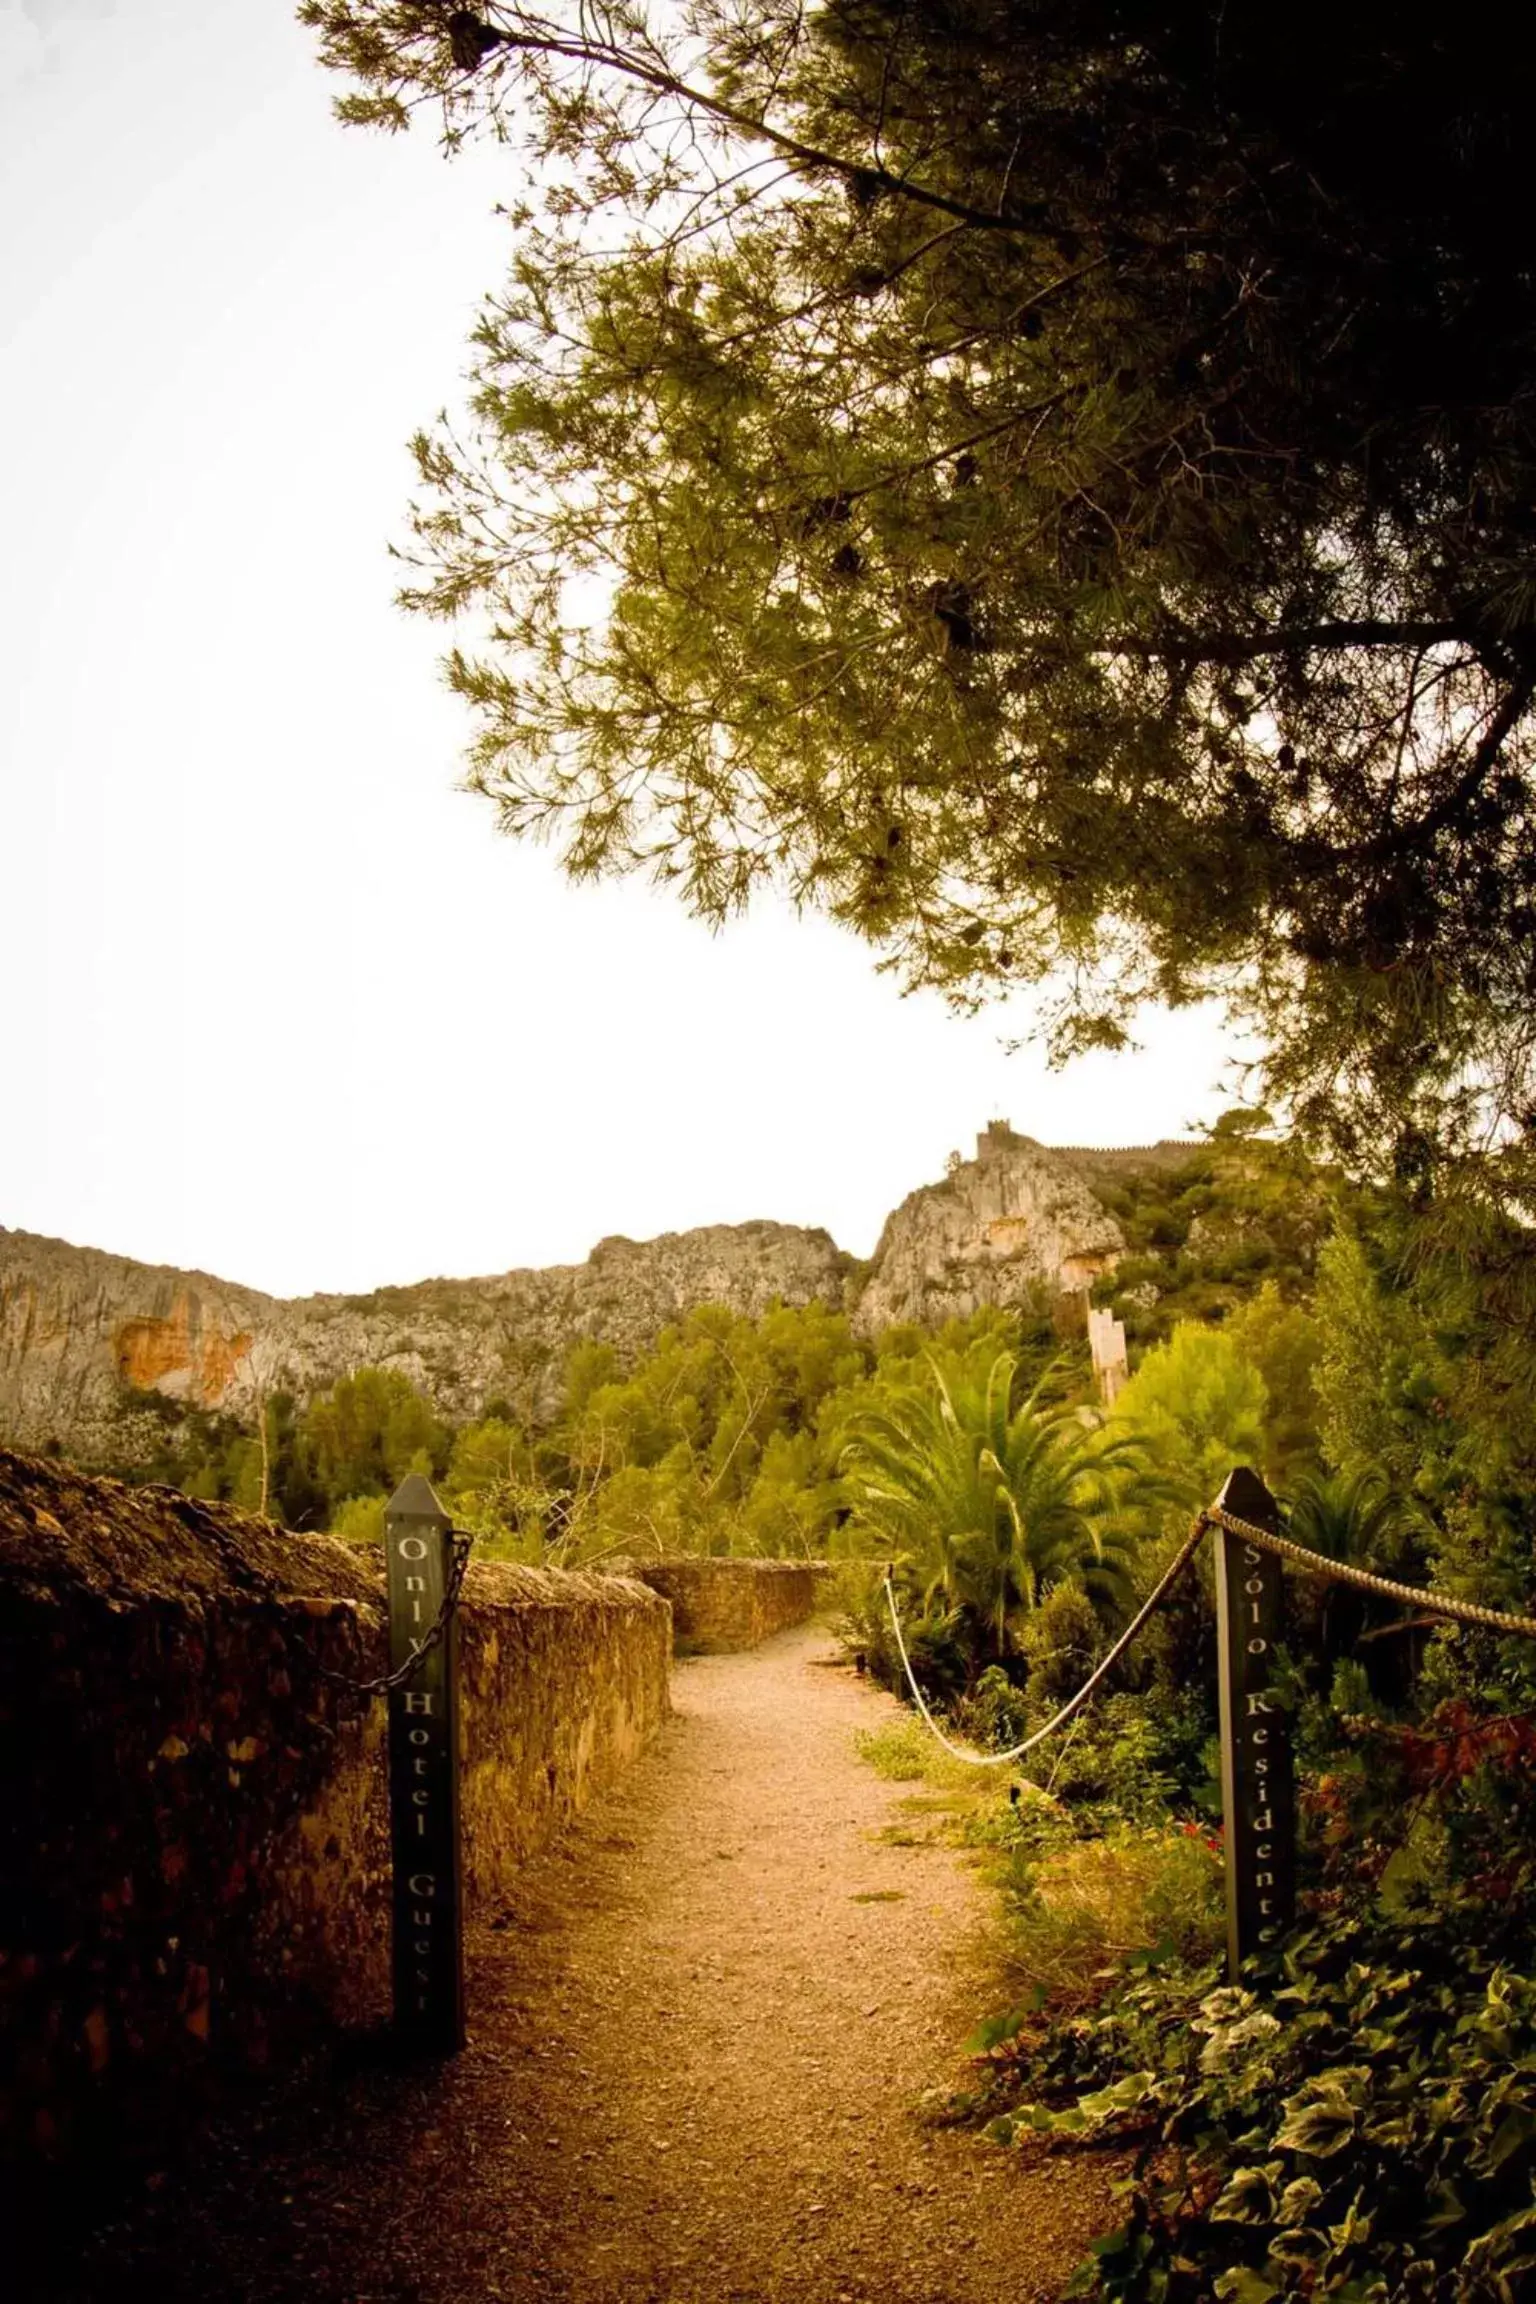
{"x":987,"y":1504}
{"x":1356,"y":1518}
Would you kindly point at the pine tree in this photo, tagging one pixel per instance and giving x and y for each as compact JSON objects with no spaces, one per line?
{"x":1048,"y":480}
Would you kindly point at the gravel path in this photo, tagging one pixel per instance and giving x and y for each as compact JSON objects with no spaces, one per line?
{"x":696,"y":2049}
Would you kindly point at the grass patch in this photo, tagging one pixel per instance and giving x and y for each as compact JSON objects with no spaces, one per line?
{"x":1078,"y":1912}
{"x":969,"y":1807}
{"x":904,"y":1753}
{"x":1083,"y":1894}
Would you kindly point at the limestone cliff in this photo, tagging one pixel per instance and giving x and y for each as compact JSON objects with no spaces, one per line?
{"x":96,"y":1349}
{"x":87,"y":1340}
{"x":999,"y":1228}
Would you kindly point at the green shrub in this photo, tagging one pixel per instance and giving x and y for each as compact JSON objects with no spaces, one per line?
{"x":996,"y":1713}
{"x":1060,"y":1643}
{"x":359,"y":1520}
{"x":1112,"y":1758}
{"x":862,"y":1621}
{"x":1365,"y":2132}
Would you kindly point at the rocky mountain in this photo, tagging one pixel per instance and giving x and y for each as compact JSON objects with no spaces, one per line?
{"x":96,"y":1350}
{"x":998,"y":1227}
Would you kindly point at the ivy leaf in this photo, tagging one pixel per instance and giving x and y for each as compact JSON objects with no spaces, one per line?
{"x":1127,"y":2095}
{"x":1298,"y":2200}
{"x":1304,"y":2247}
{"x":1319,"y":2129}
{"x":1513,"y":2133}
{"x":1354,"y":2231}
{"x":1445,"y":2207}
{"x":1248,"y":2198}
{"x":1491,"y":2253}
{"x":1245,"y":2286}
{"x":1338,"y":2080}
{"x":995,"y":2030}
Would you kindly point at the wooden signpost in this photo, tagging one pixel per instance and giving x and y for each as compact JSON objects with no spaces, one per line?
{"x":424,"y":1778}
{"x":1257,"y":1785}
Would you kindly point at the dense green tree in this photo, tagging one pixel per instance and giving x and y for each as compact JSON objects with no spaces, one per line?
{"x":710,"y":1442}
{"x":369,"y":1430}
{"x":1049,"y":480}
{"x":1386,"y":1376}
{"x":1361,"y":1519}
{"x":1284,"y":1343}
{"x":497,"y":1486}
{"x":295,"y":1496}
{"x":716,"y":1383}
{"x":1425,"y":1378}
{"x":589,"y":1365}
{"x":665,"y":1506}
{"x":485,"y":1456}
{"x":794,"y":1500}
{"x":1201,"y":1408}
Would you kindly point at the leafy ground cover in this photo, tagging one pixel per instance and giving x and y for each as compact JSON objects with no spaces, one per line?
{"x":1360,"y":2126}
{"x":1357,"y":2121}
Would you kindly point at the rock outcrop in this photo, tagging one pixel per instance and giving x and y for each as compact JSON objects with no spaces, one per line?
{"x":1016,"y":1219}
{"x":97,"y":1352}
{"x":89,"y":1342}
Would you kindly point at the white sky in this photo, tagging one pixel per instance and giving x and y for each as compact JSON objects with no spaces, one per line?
{"x":278,"y":1004}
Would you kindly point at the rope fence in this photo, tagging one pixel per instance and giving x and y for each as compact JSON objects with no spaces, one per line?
{"x":1144,"y":1614}
{"x":1425,"y":1599}
{"x":1418,"y":1596}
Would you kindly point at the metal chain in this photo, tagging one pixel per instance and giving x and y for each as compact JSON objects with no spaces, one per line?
{"x":1365,"y":1579}
{"x":1165,"y":1583}
{"x":385,"y":1683}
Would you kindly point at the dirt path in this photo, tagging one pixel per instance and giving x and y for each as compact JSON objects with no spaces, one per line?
{"x":695,"y":2053}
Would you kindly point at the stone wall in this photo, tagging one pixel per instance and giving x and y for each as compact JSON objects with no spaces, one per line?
{"x":563,"y":1682}
{"x":193,"y":1818}
{"x":721,"y":1605}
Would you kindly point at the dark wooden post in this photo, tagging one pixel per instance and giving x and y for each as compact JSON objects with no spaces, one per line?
{"x":1258,"y":1793}
{"x":424,"y":1778}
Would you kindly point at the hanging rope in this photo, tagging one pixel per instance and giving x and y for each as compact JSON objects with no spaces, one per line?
{"x":1165,"y":1584}
{"x":1366,"y":1580}
{"x":1312,"y":1563}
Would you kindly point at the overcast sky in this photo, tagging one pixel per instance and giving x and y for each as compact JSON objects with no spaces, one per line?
{"x":279,"y":1004}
